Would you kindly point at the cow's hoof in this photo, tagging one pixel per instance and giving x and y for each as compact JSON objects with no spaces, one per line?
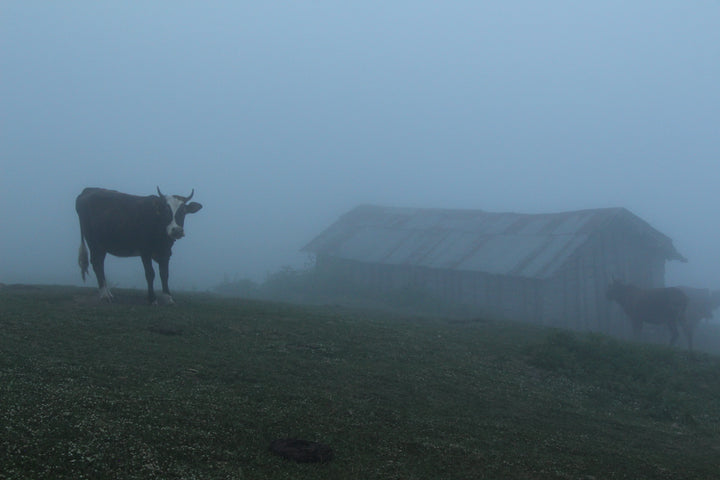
{"x":105,"y":295}
{"x":166,"y":299}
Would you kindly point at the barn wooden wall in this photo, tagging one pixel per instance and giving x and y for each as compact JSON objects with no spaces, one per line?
{"x":574,"y":297}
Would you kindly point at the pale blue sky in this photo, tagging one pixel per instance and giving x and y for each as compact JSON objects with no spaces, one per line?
{"x":284,"y":115}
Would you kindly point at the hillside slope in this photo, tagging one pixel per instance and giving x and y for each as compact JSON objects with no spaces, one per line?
{"x":200,"y":389}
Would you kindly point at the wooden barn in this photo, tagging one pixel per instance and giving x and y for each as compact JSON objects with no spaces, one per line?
{"x":551,"y":269}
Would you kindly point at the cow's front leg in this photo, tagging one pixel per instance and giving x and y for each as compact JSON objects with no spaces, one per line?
{"x":150,"y":277}
{"x":688,"y":329}
{"x":164,"y":265}
{"x":673,"y":333}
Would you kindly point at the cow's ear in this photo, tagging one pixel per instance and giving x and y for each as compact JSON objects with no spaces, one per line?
{"x":192,"y":207}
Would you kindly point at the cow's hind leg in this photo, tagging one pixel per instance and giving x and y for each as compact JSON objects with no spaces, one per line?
{"x":97,"y":259}
{"x":150,"y":277}
{"x":637,"y":330}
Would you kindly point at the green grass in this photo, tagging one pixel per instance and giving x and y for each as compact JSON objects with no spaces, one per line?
{"x":200,"y":389}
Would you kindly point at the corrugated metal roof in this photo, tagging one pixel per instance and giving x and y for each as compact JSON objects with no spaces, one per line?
{"x":526,"y":245}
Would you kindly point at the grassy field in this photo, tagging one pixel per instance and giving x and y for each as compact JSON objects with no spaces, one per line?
{"x":200,"y":389}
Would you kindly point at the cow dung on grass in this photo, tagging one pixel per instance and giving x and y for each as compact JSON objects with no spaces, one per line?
{"x":302,"y":451}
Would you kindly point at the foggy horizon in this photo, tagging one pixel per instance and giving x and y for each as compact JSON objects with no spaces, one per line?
{"x":284,"y":116}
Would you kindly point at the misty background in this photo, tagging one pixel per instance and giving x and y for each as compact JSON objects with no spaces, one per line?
{"x":284,"y":115}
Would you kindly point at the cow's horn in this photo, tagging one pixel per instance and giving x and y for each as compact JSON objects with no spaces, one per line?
{"x":191,"y":194}
{"x":160,"y":193}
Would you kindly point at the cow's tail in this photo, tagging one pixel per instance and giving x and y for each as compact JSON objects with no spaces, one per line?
{"x":83,"y":255}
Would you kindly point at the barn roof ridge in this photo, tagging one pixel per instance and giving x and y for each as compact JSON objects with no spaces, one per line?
{"x":531,"y":245}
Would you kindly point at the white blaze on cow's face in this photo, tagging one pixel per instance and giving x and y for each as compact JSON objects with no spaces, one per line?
{"x":177,"y":206}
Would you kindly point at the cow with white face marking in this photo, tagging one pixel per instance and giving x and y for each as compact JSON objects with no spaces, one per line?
{"x":130,"y":226}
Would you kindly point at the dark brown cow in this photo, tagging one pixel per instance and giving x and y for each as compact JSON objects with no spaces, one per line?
{"x":660,"y":306}
{"x":130,"y":226}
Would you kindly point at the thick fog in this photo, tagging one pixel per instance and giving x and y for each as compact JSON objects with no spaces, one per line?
{"x":284,"y":115}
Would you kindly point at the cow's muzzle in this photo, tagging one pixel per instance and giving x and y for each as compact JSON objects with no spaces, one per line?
{"x":177,"y":233}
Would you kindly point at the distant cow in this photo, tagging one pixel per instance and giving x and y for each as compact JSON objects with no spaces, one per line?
{"x":130,"y":226}
{"x":661,"y":306}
